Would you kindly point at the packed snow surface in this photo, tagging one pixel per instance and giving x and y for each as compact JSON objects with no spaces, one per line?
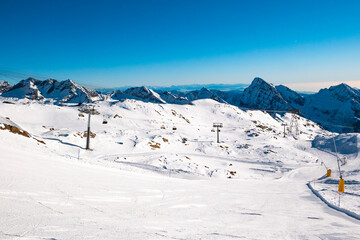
{"x":156,"y":172}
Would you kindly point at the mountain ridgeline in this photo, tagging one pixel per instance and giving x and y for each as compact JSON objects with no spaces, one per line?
{"x":336,"y":108}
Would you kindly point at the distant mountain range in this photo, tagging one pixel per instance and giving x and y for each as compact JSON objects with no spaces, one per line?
{"x":185,"y":88}
{"x":336,"y":108}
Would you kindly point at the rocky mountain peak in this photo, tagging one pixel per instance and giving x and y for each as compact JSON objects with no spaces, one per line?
{"x":262,"y":95}
{"x":343,"y":92}
{"x":144,"y":93}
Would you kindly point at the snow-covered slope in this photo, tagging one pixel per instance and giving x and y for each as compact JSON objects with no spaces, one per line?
{"x":156,"y":172}
{"x":347,"y":148}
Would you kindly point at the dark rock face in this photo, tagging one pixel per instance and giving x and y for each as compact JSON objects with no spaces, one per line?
{"x":262,"y":95}
{"x":4,"y":86}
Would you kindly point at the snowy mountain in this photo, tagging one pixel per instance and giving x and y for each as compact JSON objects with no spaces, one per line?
{"x":138,"y":93}
{"x":24,"y":89}
{"x":262,"y":95}
{"x":63,"y":92}
{"x":203,"y":93}
{"x":175,"y":97}
{"x":336,"y":108}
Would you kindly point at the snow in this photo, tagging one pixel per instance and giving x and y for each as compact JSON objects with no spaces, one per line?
{"x":336,"y":108}
{"x":348,"y":146}
{"x":143,"y":180}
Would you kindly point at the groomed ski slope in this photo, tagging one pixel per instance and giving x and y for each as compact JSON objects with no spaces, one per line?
{"x":126,"y":189}
{"x":60,"y":199}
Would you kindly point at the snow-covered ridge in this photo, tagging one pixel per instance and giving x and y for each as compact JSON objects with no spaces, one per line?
{"x":336,"y":108}
{"x":63,"y":92}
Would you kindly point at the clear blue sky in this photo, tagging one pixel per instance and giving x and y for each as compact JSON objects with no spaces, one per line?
{"x":170,"y":42}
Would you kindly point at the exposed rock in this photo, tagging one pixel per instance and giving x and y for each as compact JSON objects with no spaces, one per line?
{"x":263,"y":96}
{"x":4,"y":86}
{"x":92,"y":135}
{"x":14,"y":129}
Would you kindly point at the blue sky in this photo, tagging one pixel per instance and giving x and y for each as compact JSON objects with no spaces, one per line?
{"x":170,"y":42}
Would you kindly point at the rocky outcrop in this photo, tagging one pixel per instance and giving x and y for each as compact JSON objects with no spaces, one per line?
{"x":4,"y":86}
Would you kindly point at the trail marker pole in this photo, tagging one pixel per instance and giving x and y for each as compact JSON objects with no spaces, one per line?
{"x":217,"y":126}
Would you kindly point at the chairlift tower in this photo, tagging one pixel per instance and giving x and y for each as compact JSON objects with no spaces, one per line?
{"x":294,"y":124}
{"x":90,"y":110}
{"x":217,"y":126}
